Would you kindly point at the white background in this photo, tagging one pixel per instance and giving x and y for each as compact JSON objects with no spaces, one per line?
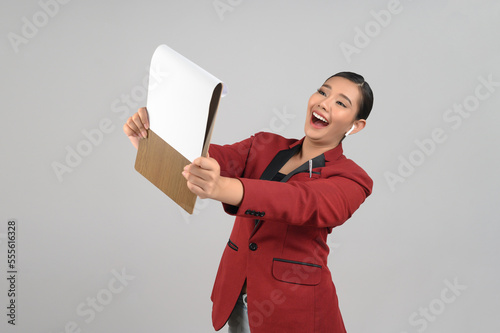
{"x":391,"y":262}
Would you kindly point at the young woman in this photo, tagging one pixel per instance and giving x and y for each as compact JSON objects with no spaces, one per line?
{"x":287,"y":195}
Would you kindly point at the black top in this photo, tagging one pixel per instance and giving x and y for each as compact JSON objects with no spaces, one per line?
{"x":278,"y":177}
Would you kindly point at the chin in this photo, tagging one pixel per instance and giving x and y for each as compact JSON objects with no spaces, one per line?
{"x":313,"y":135}
{"x":323,"y":139}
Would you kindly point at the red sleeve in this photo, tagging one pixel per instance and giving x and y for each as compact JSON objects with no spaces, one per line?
{"x":323,"y":202}
{"x":232,"y":158}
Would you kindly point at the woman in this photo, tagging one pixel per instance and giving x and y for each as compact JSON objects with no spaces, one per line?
{"x":287,"y":195}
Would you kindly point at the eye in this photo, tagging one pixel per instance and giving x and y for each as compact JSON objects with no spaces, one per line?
{"x":341,"y":104}
{"x":321,"y":92}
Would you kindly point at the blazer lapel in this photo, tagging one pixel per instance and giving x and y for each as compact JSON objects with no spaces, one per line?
{"x":272,"y":169}
{"x":278,"y":162}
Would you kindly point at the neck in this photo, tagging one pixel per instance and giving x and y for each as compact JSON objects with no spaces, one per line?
{"x":311,"y":149}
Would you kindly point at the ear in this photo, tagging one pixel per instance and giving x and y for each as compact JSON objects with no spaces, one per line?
{"x":359,"y":125}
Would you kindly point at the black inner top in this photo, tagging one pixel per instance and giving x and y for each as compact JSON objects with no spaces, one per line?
{"x":278,"y":177}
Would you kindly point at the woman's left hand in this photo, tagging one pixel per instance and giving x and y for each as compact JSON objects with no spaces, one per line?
{"x":204,"y":179}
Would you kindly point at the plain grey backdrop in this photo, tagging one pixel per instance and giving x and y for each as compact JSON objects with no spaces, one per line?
{"x":99,"y":249}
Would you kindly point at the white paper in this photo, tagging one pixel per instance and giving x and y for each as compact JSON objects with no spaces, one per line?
{"x":179,"y":96}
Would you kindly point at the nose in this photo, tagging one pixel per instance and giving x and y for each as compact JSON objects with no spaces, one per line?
{"x":323,"y":104}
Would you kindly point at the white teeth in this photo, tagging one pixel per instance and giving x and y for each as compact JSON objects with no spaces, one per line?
{"x":319,"y":117}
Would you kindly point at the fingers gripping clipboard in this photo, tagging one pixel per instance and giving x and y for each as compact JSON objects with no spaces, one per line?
{"x":182,"y":104}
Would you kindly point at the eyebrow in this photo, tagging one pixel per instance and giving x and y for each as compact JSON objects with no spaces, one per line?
{"x":342,"y":95}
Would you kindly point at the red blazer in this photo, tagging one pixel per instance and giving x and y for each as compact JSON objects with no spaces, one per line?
{"x":279,"y":238}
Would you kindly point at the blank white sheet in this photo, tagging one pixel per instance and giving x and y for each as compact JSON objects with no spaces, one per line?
{"x":179,"y":95}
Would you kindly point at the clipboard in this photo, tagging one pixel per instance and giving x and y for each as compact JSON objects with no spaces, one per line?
{"x":182,"y":105}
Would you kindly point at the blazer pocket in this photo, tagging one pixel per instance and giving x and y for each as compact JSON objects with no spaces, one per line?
{"x":296,"y":272}
{"x":232,"y":245}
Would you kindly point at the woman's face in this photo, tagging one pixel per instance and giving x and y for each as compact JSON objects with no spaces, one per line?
{"x":331,"y":112}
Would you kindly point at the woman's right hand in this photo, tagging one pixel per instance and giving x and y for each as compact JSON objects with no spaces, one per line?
{"x":136,"y":126}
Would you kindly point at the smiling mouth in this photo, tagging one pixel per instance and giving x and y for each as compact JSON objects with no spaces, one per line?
{"x":318,"y":120}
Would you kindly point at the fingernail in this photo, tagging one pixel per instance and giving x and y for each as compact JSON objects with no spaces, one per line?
{"x":144,"y":134}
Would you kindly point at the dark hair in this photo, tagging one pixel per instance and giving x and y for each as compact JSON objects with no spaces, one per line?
{"x":366,"y":102}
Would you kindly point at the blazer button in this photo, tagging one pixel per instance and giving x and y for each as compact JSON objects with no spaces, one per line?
{"x":253,"y":246}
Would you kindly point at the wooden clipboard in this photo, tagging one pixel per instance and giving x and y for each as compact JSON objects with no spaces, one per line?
{"x":162,"y":164}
